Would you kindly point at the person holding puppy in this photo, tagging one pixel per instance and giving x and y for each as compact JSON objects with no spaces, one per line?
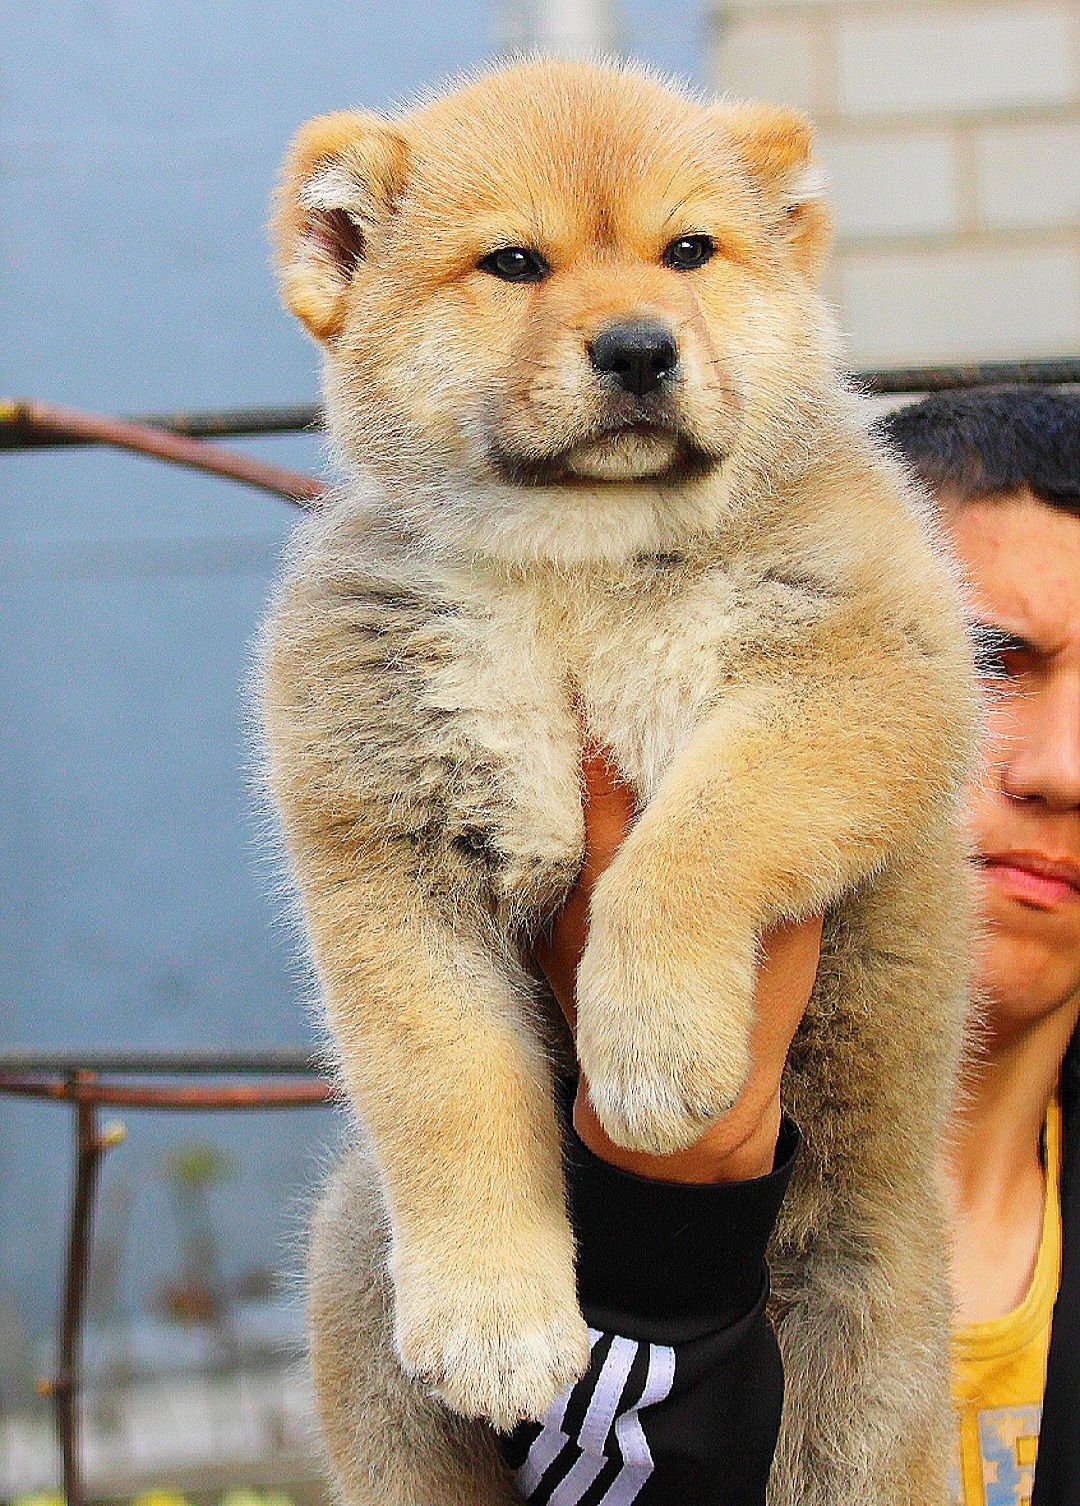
{"x":672,"y":1248}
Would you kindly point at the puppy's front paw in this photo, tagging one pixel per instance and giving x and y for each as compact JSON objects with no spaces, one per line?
{"x":496,"y":1344}
{"x":663,"y":1037}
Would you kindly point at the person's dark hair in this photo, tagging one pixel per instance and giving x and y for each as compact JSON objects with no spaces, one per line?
{"x":986,"y":440}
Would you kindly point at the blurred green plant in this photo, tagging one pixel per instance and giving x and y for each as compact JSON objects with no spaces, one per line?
{"x":242,"y":1497}
{"x":198,"y":1163}
{"x":197,"y":1293}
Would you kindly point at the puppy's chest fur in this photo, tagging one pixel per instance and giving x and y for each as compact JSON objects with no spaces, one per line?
{"x":489,"y":690}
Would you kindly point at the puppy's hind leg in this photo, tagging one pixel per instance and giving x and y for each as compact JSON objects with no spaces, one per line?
{"x":859,"y":1273}
{"x":865,"y":1386}
{"x":388,"y":1442}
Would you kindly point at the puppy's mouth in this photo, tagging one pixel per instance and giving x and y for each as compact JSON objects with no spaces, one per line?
{"x":634,"y":450}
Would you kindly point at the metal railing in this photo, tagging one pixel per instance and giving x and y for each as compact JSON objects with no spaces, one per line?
{"x":90,"y":1081}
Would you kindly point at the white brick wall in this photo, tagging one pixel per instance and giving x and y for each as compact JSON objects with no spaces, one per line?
{"x":921,"y":306}
{"x":892,"y":183}
{"x":771,"y":57}
{"x":1029,"y":175}
{"x":951,"y":133}
{"x":954,"y":59}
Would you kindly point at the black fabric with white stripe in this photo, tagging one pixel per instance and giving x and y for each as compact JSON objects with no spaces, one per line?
{"x":680,"y":1405}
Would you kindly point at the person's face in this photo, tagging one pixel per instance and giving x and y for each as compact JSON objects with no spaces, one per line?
{"x":1021,"y":559}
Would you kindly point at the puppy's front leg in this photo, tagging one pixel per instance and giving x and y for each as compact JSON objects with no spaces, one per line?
{"x":454,"y":1088}
{"x":790,"y":793}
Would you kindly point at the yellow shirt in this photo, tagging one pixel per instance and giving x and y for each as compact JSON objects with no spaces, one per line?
{"x":999,"y":1369}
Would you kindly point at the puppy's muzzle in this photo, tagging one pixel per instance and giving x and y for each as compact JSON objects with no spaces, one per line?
{"x":639,"y":354}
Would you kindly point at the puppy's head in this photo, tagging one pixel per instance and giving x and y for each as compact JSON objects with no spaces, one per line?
{"x":565,"y":311}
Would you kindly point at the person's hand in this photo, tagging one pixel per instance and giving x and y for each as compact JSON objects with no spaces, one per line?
{"x":742,"y":1143}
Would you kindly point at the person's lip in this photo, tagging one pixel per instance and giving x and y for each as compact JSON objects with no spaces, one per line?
{"x":1033,"y":878}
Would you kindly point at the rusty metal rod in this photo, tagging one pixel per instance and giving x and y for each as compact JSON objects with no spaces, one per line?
{"x":30,"y":418}
{"x":80,"y":1086}
{"x":16,"y":432}
{"x":291,"y":1060}
{"x":278,"y":1095}
{"x":90,"y":1146}
{"x":1062,"y":372}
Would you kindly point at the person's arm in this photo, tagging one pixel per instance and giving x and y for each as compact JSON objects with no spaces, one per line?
{"x":681,"y":1403}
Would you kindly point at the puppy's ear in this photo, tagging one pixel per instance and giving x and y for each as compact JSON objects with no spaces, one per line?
{"x":340,"y":179}
{"x":776,"y":146}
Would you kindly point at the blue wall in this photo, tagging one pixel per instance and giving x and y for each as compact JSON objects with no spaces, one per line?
{"x":138,"y":143}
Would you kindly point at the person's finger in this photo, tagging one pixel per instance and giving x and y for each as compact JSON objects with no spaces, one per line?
{"x":789,"y":962}
{"x":609,"y":809}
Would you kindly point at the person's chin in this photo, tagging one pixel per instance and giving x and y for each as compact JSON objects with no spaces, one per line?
{"x":1024,"y":973}
{"x":1027,"y":950}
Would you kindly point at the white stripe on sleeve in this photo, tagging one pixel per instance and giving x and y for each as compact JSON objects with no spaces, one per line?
{"x":549,"y":1442}
{"x":631,"y":1447}
{"x":630,"y":1438}
{"x":610,"y":1384}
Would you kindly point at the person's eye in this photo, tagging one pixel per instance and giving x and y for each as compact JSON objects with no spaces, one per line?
{"x":515,"y":264}
{"x":998,"y":655}
{"x":992,"y":664}
{"x":688,"y":252}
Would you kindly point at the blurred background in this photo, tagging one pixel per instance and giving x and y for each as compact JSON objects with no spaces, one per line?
{"x":138,"y":905}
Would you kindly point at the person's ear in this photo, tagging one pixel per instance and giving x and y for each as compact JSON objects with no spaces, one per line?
{"x":775,"y":146}
{"x":339,"y":183}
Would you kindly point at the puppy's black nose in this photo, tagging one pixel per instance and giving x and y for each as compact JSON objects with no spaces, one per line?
{"x":639,"y":353}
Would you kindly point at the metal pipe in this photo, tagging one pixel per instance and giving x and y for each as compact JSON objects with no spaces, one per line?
{"x":18,"y":431}
{"x":32,"y":418}
{"x":280,"y":1095}
{"x":90,"y":1147}
{"x":917,"y":379}
{"x":60,"y":1076}
{"x":291,"y":1060}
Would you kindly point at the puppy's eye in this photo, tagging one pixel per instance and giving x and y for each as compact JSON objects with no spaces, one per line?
{"x":515,"y":264}
{"x":688,"y":252}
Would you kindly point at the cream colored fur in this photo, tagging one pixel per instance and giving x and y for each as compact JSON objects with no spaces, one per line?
{"x":770,"y":646}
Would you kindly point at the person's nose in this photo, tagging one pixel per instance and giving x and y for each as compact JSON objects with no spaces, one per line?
{"x":1042,"y":754}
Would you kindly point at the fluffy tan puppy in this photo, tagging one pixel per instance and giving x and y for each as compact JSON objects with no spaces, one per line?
{"x":604,"y":482}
